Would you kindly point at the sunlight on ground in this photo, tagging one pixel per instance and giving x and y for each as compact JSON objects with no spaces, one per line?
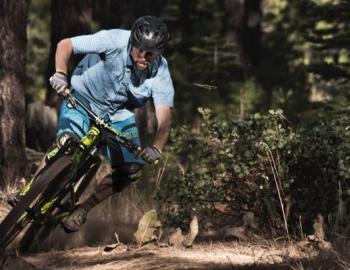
{"x":201,"y":256}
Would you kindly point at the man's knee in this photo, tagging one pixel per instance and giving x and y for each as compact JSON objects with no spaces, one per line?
{"x":125,"y":174}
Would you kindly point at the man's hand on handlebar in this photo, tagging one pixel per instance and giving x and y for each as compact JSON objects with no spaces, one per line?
{"x":151,"y":154}
{"x":59,"y":82}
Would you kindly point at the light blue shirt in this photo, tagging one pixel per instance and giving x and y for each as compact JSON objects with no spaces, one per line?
{"x":106,"y":80}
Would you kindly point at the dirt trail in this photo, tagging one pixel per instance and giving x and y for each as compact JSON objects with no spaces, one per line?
{"x":77,"y":251}
{"x":219,"y":255}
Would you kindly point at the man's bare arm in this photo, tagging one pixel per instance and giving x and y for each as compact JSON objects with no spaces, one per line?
{"x":164,"y":118}
{"x":63,"y":52}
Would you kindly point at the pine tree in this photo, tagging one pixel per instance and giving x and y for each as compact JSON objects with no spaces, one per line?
{"x":13,"y":21}
{"x":326,"y":26}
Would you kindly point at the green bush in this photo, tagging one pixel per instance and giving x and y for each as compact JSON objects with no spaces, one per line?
{"x":322,"y":170}
{"x":231,"y":167}
{"x":226,"y":169}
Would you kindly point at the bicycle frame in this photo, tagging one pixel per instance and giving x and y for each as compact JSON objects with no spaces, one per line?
{"x":68,"y":170}
{"x":87,"y":146}
{"x":82,"y":152}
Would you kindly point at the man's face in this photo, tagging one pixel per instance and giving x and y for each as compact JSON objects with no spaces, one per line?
{"x":141,"y":58}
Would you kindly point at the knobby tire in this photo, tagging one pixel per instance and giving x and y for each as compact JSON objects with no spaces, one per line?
{"x":11,"y":225}
{"x":39,"y":230}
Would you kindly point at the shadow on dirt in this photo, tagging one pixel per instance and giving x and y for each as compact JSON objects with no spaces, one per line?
{"x":112,"y":217}
{"x":13,"y":262}
{"x":155,"y":259}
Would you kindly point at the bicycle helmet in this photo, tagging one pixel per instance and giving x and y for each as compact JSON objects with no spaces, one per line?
{"x":149,"y":34}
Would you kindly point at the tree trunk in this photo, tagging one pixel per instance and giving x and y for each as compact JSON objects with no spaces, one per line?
{"x":13,"y":22}
{"x":147,"y":123}
{"x":250,"y":34}
{"x":68,"y":18}
{"x":242,"y":25}
{"x":233,"y":20}
{"x":123,"y":13}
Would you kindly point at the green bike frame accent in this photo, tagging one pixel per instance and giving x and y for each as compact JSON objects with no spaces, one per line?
{"x":90,"y":137}
{"x":47,"y":206}
{"x":52,"y":153}
{"x":87,"y":142}
{"x":27,"y":187}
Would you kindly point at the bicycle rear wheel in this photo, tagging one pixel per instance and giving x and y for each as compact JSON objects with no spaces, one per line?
{"x":21,"y":214}
{"x":41,"y":228}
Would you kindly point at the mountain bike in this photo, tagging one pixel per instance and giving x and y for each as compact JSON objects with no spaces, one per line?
{"x":55,"y":191}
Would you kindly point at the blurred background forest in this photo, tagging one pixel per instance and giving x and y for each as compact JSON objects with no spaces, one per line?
{"x":261,"y":105}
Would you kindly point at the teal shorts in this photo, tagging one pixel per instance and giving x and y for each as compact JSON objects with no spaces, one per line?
{"x":76,"y":121}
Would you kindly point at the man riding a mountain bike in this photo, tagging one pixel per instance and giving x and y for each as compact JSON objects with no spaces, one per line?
{"x":121,"y":70}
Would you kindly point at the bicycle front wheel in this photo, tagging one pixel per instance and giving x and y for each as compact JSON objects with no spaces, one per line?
{"x":63,"y":203}
{"x":20,"y":215}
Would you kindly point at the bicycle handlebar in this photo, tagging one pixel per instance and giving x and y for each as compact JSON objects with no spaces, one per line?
{"x":101,"y":123}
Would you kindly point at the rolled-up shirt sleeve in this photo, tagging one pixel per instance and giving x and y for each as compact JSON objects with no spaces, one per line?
{"x":163,"y":90}
{"x":100,"y":42}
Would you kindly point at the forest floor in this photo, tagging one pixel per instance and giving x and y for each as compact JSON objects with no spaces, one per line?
{"x":86,"y":249}
{"x":214,"y":255}
{"x":262,"y":254}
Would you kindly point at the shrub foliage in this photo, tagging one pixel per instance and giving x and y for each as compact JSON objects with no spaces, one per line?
{"x":260,"y":165}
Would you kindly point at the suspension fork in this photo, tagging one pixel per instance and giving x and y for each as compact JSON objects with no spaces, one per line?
{"x":82,"y":178}
{"x":87,"y":144}
{"x":66,"y":200}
